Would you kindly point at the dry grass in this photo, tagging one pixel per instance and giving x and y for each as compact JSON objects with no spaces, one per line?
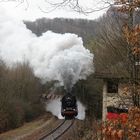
{"x":28,"y":128}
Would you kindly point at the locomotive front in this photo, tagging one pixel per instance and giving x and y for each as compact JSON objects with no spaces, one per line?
{"x":69,"y":106}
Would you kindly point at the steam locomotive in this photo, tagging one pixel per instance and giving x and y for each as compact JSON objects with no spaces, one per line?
{"x":69,"y":106}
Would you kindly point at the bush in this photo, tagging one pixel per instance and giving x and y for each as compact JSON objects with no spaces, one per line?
{"x":16,"y":113}
{"x":4,"y":122}
{"x":124,"y":126}
{"x":32,"y":111}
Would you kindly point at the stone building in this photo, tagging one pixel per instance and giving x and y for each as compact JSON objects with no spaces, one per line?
{"x":115,"y":95}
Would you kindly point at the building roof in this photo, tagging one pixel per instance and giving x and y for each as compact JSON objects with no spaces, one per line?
{"x":110,"y":76}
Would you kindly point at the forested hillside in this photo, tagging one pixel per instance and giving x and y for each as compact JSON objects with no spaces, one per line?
{"x":110,"y":46}
{"x":84,"y":28}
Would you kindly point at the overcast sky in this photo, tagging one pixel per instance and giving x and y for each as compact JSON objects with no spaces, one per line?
{"x":30,"y":9}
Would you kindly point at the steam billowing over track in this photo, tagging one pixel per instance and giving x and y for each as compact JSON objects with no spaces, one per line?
{"x":61,"y":58}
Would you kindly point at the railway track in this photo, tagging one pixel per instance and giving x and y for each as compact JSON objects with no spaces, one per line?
{"x":59,"y":131}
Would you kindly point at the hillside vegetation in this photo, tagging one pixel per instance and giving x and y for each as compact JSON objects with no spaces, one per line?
{"x":19,"y":96}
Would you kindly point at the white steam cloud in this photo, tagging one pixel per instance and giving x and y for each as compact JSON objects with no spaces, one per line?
{"x":54,"y":106}
{"x":57,"y":57}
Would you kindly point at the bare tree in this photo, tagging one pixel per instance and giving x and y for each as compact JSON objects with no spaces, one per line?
{"x":78,"y":6}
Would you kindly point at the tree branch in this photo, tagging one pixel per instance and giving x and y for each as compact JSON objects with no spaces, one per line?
{"x":77,"y":7}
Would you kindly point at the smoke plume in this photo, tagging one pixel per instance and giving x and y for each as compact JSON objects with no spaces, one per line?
{"x":53,"y":57}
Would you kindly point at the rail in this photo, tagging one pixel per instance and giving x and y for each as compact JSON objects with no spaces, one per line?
{"x":72,"y":122}
{"x":59,"y":131}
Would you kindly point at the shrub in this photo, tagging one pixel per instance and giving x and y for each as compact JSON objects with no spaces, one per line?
{"x":4,"y":122}
{"x":123,"y":126}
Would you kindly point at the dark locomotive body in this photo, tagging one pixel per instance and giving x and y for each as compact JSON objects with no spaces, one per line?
{"x":69,"y":106}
